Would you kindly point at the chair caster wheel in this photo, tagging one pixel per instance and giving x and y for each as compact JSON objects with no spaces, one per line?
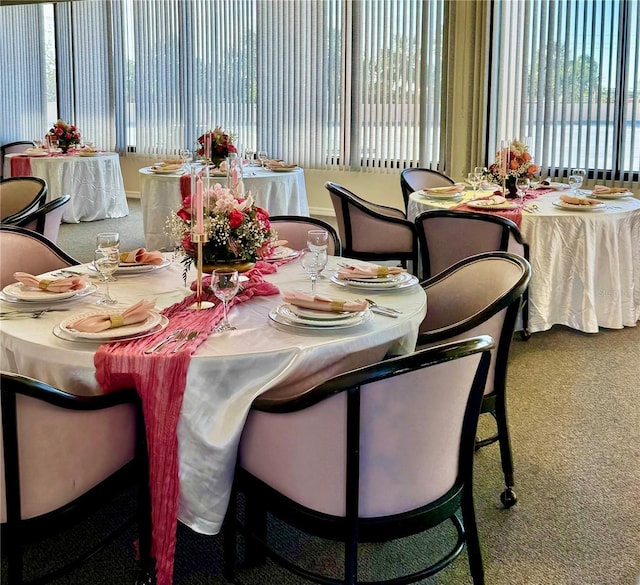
{"x":508,"y":498}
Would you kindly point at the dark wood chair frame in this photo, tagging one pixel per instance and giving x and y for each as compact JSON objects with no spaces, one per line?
{"x":337,"y":243}
{"x":351,"y":529}
{"x":35,"y":203}
{"x":407,"y":189}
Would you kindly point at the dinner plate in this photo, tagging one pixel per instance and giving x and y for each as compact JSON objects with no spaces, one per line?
{"x":590,"y":195}
{"x":404,"y":280}
{"x":19,"y":292}
{"x":283,"y":316}
{"x":62,"y":334}
{"x":480,"y":204}
{"x":436,"y":195}
{"x":88,"y":153}
{"x":315,"y":315}
{"x":36,"y":153}
{"x":151,"y":322}
{"x":572,"y":207}
{"x":173,"y":171}
{"x":133,"y":268}
{"x":282,"y":253}
{"x":317,"y":319}
{"x":282,"y":169}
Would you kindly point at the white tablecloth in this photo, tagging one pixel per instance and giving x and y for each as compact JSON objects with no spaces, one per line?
{"x":94,"y":183}
{"x":280,"y":193}
{"x":586,"y":264}
{"x":226,"y":373}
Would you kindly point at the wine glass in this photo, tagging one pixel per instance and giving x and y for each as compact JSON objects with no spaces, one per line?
{"x":224,"y":285}
{"x":249,"y":154}
{"x":576,"y":178}
{"x":262,"y":156}
{"x":185,"y":156}
{"x":522,"y":186}
{"x":108,"y":241}
{"x":106,"y":261}
{"x":474,"y":181}
{"x":313,"y":263}
{"x":317,"y":240}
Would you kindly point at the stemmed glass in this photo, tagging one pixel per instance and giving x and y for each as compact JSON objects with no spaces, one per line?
{"x":576,"y":177}
{"x":106,"y":261}
{"x":262,"y":156}
{"x":480,"y":173}
{"x":474,"y":181}
{"x":224,"y":285}
{"x":108,"y":241}
{"x":314,"y":263}
{"x":185,"y":156}
{"x":522,"y":186}
{"x":249,"y":154}
{"x":317,"y":240}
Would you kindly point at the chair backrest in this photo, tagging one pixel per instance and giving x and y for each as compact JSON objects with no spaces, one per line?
{"x":10,"y":148}
{"x":20,"y":195}
{"x":415,"y":179}
{"x":370,"y":231}
{"x":480,"y":295}
{"x":294,"y":228}
{"x":447,"y":236}
{"x":344,"y":445}
{"x":46,"y":220}
{"x":27,"y":251}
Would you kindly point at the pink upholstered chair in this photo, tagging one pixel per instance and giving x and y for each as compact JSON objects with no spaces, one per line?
{"x":65,"y":456}
{"x":13,"y":147}
{"x":481,"y":295}
{"x":27,"y":251}
{"x":415,"y":179}
{"x":46,"y":219}
{"x":373,"y":232}
{"x":294,"y":228}
{"x":20,"y":195}
{"x":447,"y":236}
{"x":372,"y":455}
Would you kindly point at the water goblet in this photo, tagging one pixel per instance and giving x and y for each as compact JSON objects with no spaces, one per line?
{"x":108,"y":240}
{"x":317,"y":240}
{"x":224,"y":285}
{"x":314,"y":263}
{"x":106,"y":261}
{"x":262,"y":156}
{"x":249,"y":154}
{"x":474,"y":181}
{"x":576,"y":178}
{"x":522,"y":186}
{"x":185,"y":156}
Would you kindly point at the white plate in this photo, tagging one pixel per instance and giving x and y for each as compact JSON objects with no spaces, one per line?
{"x":44,"y":302}
{"x":19,"y":292}
{"x":153,"y":320}
{"x":329,"y":319}
{"x":281,"y":253}
{"x":60,"y":333}
{"x":132,"y":268}
{"x":590,"y":195}
{"x":158,"y":171}
{"x":282,"y":316}
{"x":572,"y":207}
{"x":436,"y":195}
{"x":36,"y":153}
{"x":480,"y":204}
{"x":88,"y":153}
{"x":282,"y":169}
{"x":404,"y":280}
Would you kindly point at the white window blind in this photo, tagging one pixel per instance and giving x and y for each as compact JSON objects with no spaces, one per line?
{"x":565,"y":77}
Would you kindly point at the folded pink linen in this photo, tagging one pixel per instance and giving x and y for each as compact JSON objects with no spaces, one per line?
{"x":141,"y":256}
{"x":320,"y":303}
{"x":371,"y":271}
{"x":54,"y":285}
{"x":455,"y":188}
{"x":602,"y":190}
{"x":102,"y":321}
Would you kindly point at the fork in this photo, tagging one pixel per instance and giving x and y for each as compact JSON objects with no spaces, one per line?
{"x":191,"y":336}
{"x":175,"y":336}
{"x":389,"y":310}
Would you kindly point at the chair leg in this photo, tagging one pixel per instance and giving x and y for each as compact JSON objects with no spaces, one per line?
{"x":508,"y":496}
{"x":230,"y":540}
{"x":473,"y":540}
{"x":256,"y":522}
{"x":525,"y":334}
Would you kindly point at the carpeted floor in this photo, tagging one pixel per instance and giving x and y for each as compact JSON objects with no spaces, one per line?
{"x":574,"y":406}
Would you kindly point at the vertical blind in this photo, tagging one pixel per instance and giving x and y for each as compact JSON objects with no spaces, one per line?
{"x":565,"y":78}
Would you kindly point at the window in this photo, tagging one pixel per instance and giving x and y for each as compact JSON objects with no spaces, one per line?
{"x":565,"y":77}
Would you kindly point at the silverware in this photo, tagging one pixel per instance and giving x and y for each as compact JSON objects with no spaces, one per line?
{"x":379,"y":311}
{"x":168,"y":339}
{"x":33,"y":314}
{"x":190,"y":337}
{"x":378,"y":307}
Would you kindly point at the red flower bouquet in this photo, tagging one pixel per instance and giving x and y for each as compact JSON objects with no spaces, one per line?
{"x":64,"y":135}
{"x":215,"y":145}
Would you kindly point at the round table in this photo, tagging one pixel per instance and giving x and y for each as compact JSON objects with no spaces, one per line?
{"x":226,"y":372}
{"x":585,"y":264}
{"x":280,"y":193}
{"x":94,"y":182}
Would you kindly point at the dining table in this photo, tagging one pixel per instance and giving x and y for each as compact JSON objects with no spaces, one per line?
{"x":94,"y":182}
{"x":280,"y":192}
{"x":585,"y":259}
{"x":264,"y":356}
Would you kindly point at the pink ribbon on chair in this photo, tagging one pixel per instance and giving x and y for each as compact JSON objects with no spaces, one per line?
{"x":160,"y":380}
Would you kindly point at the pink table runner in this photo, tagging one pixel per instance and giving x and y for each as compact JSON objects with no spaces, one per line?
{"x":160,"y":380}
{"x":20,"y":166}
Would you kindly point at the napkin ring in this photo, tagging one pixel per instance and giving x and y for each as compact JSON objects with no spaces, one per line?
{"x":116,"y":320}
{"x":383,"y":271}
{"x":337,"y":306}
{"x":44,"y":284}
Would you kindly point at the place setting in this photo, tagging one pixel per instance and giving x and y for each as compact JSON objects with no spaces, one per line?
{"x":373,"y":277}
{"x":576,"y":203}
{"x":453,"y":192}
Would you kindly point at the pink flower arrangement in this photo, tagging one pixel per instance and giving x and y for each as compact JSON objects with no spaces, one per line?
{"x":64,"y":135}
{"x":513,"y":162}
{"x":215,"y":144}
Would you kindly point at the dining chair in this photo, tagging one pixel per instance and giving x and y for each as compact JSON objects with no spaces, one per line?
{"x":447,"y":236}
{"x":11,"y":148}
{"x":370,"y":231}
{"x":294,"y":228}
{"x":415,"y":179}
{"x":64,"y":457}
{"x":46,"y":219}
{"x":481,"y":295}
{"x":20,"y":195}
{"x":373,"y":455}
{"x":27,"y":251}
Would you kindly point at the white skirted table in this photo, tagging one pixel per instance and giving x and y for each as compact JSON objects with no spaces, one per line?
{"x":94,"y":182}
{"x":280,"y":193}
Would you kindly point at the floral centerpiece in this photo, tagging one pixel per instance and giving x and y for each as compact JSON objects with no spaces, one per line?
{"x":215,"y":145}
{"x":511,"y":163}
{"x":64,"y":135}
{"x":237,"y":230}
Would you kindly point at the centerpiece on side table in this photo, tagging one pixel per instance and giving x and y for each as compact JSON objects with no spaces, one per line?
{"x":215,"y":146}
{"x":513,"y":161}
{"x":237,"y":231}
{"x":64,"y":135}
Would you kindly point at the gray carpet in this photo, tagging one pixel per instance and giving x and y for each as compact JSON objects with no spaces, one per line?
{"x":574,"y":406}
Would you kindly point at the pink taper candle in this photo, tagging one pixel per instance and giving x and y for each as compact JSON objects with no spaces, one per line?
{"x":199,"y":208}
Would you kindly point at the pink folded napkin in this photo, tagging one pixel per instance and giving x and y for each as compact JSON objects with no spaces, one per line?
{"x":455,"y":188}
{"x":602,"y":190}
{"x":320,"y":303}
{"x":141,"y":256}
{"x":102,"y":321}
{"x":372,"y":271}
{"x":54,"y":285}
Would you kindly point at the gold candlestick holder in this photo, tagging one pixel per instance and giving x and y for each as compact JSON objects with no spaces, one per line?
{"x":199,"y":239}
